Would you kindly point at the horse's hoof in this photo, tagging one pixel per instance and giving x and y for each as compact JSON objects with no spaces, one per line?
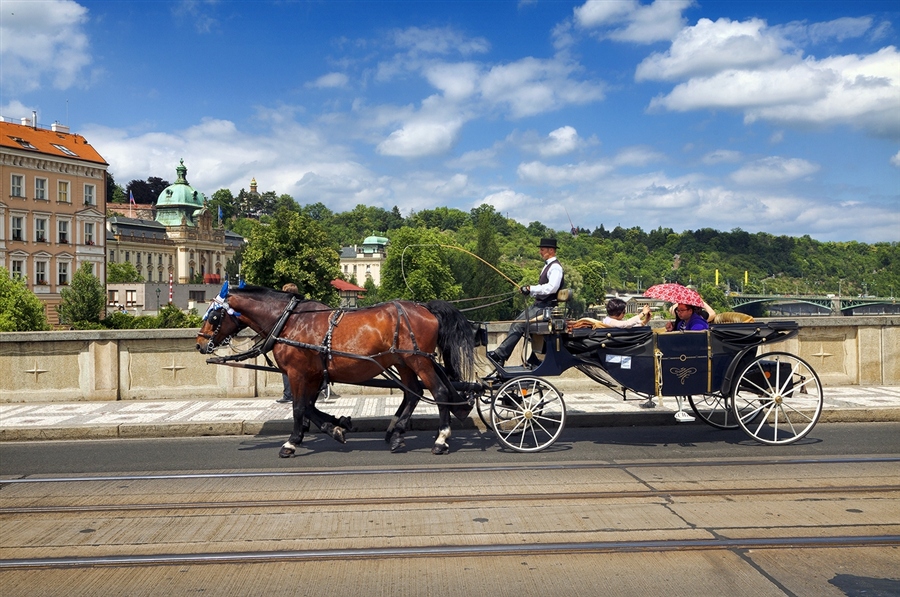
{"x":440,"y":449}
{"x":397,"y":445}
{"x":346,"y":423}
{"x":338,"y":434}
{"x":286,"y":452}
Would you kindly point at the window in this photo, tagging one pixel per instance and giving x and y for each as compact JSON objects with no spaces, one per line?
{"x":40,"y":273}
{"x":137,"y":257}
{"x":40,"y":189}
{"x":65,"y":150}
{"x":89,"y":234}
{"x":40,"y":230}
{"x":25,"y":144}
{"x":17,"y":228}
{"x":160,"y":260}
{"x":17,"y":269}
{"x":62,"y":191}
{"x":113,"y":297}
{"x":89,"y":194}
{"x":63,"y":269}
{"x":130,"y":298}
{"x":128,"y":256}
{"x":16,"y":186}
{"x":63,"y":232}
{"x":198,"y":296}
{"x":112,"y":256}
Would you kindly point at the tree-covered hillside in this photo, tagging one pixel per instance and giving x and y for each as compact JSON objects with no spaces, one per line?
{"x":596,"y":262}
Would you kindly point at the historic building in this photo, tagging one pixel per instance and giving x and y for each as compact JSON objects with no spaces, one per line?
{"x":52,"y":207}
{"x":363,"y":262}
{"x":184,"y":240}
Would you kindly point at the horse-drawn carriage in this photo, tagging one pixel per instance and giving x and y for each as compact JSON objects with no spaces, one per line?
{"x":775,"y":397}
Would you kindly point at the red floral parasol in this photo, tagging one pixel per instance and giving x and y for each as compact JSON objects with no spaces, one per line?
{"x":675,"y":293}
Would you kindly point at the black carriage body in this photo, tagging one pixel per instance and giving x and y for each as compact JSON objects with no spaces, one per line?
{"x":677,"y":363}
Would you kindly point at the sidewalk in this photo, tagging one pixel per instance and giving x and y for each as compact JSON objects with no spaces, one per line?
{"x":370,"y":412}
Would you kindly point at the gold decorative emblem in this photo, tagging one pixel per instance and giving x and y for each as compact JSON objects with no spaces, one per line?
{"x":682,"y":373}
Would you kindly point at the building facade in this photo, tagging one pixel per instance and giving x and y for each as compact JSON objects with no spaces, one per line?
{"x":52,"y":207}
{"x":182,"y":241}
{"x":364,"y":262}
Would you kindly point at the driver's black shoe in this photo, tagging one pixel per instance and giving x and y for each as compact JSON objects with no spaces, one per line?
{"x":496,"y":358}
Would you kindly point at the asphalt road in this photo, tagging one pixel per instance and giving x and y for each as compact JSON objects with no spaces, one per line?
{"x":652,"y":511}
{"x":468,"y":447}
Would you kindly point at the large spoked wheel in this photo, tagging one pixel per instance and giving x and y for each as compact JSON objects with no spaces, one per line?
{"x":527,"y":414}
{"x":777,"y":398}
{"x":483,"y":406}
{"x":715,"y":410}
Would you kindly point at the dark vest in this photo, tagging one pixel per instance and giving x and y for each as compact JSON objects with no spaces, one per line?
{"x":551,"y":299}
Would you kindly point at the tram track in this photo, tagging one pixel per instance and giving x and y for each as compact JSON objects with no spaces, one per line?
{"x":456,"y":469}
{"x":130,"y":531}
{"x":449,"y":499}
{"x":590,"y":547}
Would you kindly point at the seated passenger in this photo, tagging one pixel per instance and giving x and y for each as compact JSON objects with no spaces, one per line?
{"x":615,"y":315}
{"x":687,"y":317}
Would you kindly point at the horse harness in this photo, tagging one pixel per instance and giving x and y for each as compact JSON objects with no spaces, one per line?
{"x":265,"y":345}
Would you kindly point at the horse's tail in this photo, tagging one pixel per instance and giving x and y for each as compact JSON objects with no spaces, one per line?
{"x":456,"y":340}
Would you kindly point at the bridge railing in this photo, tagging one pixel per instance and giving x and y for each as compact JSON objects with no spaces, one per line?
{"x":164,"y":364}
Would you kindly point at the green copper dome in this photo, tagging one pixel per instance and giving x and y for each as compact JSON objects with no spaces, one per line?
{"x":179,"y":202}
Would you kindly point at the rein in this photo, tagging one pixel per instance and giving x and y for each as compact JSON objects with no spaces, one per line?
{"x":263,"y":346}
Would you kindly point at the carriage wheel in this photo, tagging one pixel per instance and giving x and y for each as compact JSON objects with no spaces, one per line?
{"x":715,"y":410}
{"x":777,"y":398}
{"x":483,"y":406}
{"x":527,"y":414}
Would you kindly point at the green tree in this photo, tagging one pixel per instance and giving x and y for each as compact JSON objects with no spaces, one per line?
{"x":482,"y":280}
{"x":119,"y":273}
{"x":593,"y":274}
{"x":84,"y":300}
{"x":20,"y":309}
{"x":224,"y":200}
{"x":292,"y":248}
{"x":416,"y":268}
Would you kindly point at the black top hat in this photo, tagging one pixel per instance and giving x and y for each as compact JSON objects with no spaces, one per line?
{"x":550,"y":243}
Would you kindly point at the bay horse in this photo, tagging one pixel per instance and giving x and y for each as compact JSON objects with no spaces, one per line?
{"x":315,"y":345}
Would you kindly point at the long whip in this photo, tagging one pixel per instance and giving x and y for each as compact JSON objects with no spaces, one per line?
{"x":403,"y":269}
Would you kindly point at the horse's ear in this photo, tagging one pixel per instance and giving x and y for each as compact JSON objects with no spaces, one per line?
{"x":224,"y":292}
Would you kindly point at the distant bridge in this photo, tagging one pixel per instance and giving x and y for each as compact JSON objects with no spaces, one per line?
{"x":837,"y":305}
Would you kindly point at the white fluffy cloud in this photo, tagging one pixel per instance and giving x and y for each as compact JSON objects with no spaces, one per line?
{"x":531,"y":86}
{"x":330,"y":81}
{"x":631,"y":21}
{"x":750,"y":67}
{"x":774,"y":171}
{"x":560,"y":142}
{"x":538,"y":172}
{"x":895,"y":159}
{"x":43,"y":40}
{"x":713,"y":46}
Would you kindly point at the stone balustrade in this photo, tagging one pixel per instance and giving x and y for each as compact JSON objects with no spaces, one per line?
{"x":164,"y":364}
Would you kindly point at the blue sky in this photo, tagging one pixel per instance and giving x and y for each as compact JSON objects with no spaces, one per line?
{"x":781,"y":117}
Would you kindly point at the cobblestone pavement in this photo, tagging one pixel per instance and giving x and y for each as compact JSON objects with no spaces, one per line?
{"x":162,"y":418}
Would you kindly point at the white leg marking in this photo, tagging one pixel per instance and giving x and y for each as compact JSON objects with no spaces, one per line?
{"x":443,"y":436}
{"x":289,"y":445}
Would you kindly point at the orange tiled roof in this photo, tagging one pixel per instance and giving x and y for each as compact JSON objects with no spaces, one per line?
{"x":45,"y":141}
{"x":346,"y":286}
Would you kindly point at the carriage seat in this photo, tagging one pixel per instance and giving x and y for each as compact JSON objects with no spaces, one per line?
{"x":732,"y":317}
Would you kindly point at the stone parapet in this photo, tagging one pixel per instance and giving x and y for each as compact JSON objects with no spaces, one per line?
{"x":69,"y":366}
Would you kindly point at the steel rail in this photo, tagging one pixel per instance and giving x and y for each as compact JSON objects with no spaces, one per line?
{"x":455,"y":550}
{"x":444,"y":499}
{"x":460,"y":469}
